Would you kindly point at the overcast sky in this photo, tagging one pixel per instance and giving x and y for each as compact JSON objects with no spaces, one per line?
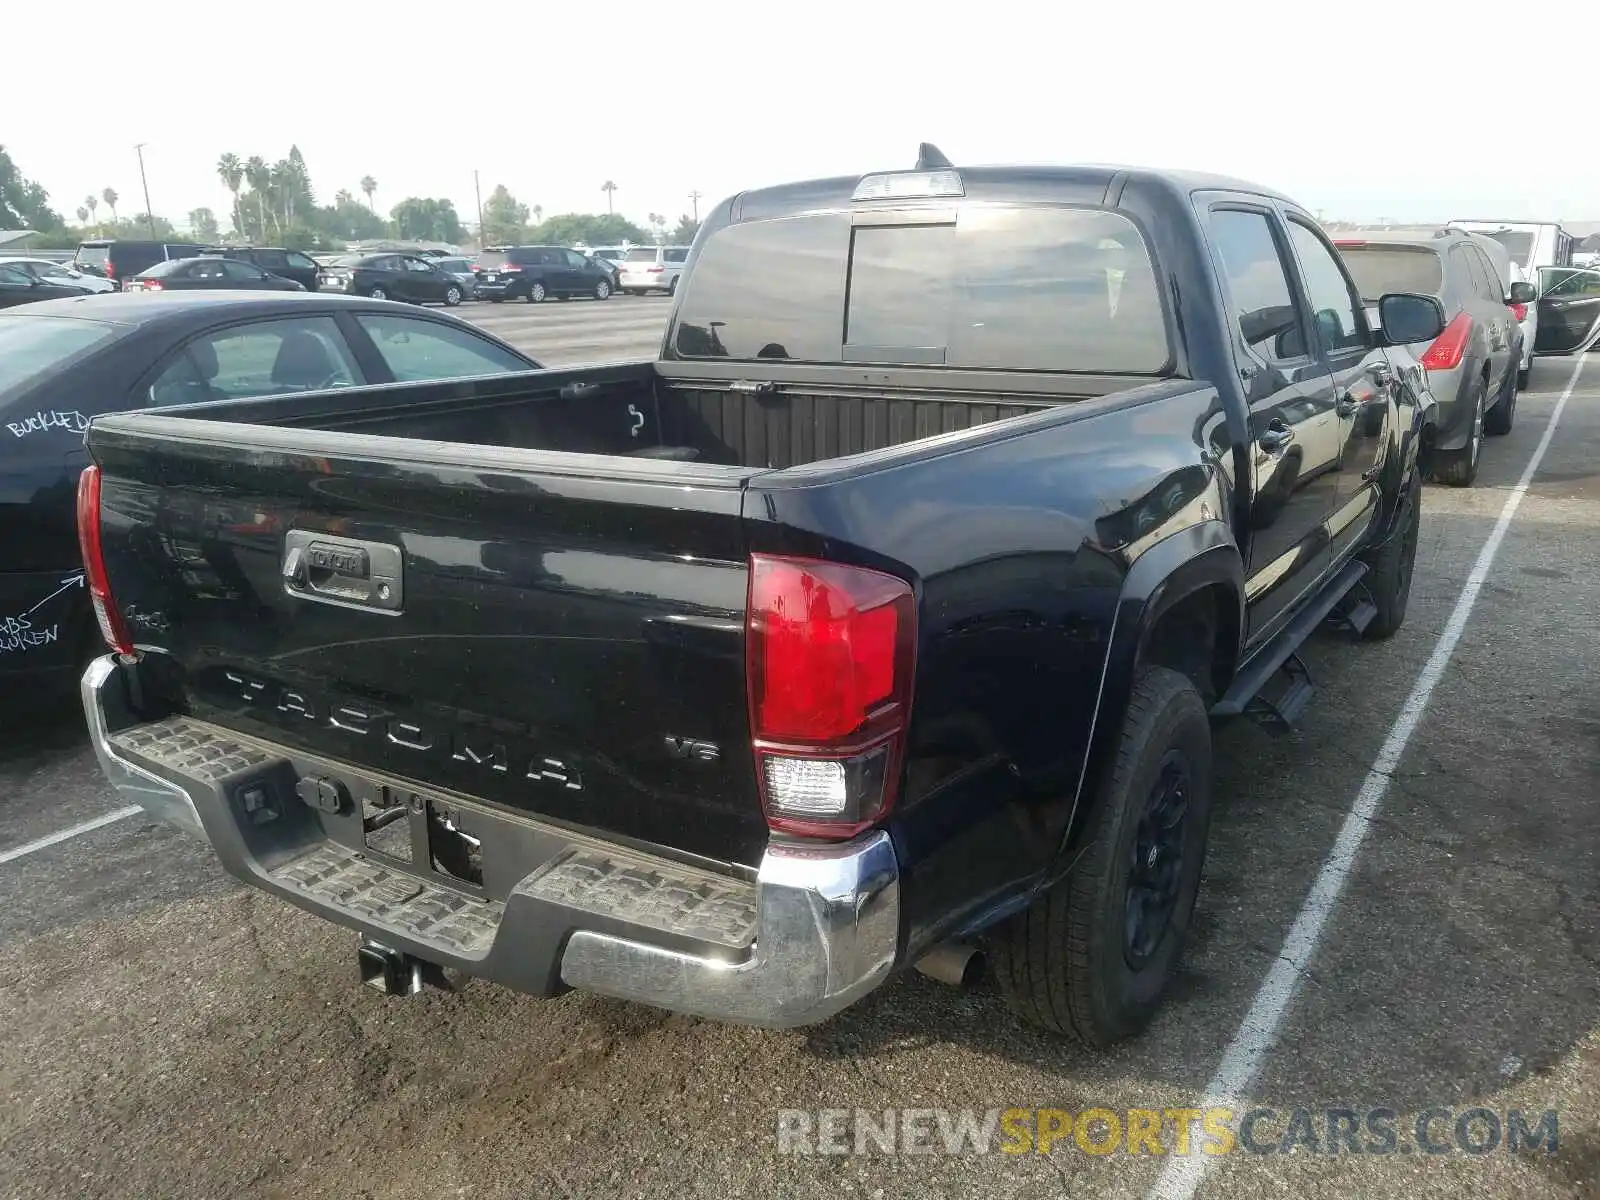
{"x":1404,"y":109}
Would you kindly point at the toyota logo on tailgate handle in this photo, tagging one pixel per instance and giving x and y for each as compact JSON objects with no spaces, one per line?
{"x":345,"y":571}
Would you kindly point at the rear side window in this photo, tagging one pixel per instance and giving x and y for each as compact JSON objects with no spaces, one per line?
{"x":1469,"y":273}
{"x":1379,"y":270}
{"x":528,"y":257}
{"x":1040,"y":289}
{"x":415,"y":349}
{"x":30,"y":346}
{"x":264,"y":358}
{"x":677,"y":256}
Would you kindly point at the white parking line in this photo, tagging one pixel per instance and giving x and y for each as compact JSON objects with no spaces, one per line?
{"x":1259,"y":1030}
{"x":62,"y":835}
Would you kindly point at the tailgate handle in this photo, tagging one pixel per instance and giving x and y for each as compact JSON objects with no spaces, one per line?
{"x":345,"y":571}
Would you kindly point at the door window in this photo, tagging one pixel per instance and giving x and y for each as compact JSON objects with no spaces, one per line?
{"x":1258,"y":284}
{"x":238,"y":272}
{"x":267,"y":358}
{"x":203,"y":268}
{"x":575,"y":260}
{"x":416,"y":349}
{"x":1333,"y":304}
{"x":1561,"y":282}
{"x":300,"y":262}
{"x":417,"y":266}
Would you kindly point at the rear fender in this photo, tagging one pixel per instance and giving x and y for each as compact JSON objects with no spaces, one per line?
{"x":1204,"y":555}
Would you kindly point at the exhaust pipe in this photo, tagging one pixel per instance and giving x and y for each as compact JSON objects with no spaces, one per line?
{"x":952,"y":963}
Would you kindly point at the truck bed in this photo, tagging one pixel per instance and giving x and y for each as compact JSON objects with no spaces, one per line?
{"x":631,"y":410}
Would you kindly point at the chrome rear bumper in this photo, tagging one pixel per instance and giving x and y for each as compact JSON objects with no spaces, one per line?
{"x":817,"y":929}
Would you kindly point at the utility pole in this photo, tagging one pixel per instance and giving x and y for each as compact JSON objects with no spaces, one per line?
{"x":694,"y":198}
{"x":149,"y":215}
{"x":478,"y":191}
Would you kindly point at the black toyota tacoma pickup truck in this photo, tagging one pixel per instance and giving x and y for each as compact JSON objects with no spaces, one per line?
{"x":886,"y":614}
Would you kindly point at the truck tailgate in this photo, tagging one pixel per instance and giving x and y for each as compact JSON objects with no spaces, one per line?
{"x":556,"y":634}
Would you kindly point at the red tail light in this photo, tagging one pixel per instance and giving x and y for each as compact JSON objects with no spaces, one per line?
{"x":830,"y":654}
{"x":112,"y":627}
{"x":656,"y":270}
{"x":1519,"y":311}
{"x":1449,"y":347}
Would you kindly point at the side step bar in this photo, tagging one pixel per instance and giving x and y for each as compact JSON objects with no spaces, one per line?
{"x":1243,"y":696}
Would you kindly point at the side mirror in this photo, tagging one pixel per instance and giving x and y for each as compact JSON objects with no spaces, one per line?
{"x":1523,"y":293}
{"x":1406,"y":318}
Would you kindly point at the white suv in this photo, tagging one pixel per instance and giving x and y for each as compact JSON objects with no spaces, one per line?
{"x":652,"y":269}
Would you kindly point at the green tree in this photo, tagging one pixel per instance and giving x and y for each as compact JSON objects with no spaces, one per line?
{"x":110,"y":197}
{"x":683,"y":233}
{"x":592,"y":229}
{"x":259,"y":176}
{"x":23,"y":203}
{"x":231,"y":171}
{"x":427,"y":220}
{"x":505,"y":219}
{"x":369,"y":186}
{"x":204,"y":224}
{"x":610,"y":189}
{"x":93,"y":202}
{"x":83,"y":215}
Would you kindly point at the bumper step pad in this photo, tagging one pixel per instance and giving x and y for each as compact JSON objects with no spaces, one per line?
{"x":650,"y":894}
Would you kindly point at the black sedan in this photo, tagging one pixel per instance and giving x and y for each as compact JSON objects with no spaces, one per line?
{"x":391,"y":277}
{"x":63,"y":362}
{"x":22,"y":287}
{"x":208,"y":272}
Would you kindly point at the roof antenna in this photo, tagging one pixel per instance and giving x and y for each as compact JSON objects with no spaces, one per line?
{"x":930,"y":158}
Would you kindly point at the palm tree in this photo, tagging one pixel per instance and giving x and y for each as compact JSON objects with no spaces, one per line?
{"x":609,"y":189}
{"x":93,"y":202}
{"x":83,"y":215}
{"x":369,"y":185}
{"x":231,"y":172}
{"x":259,"y":176}
{"x":538,"y":214}
{"x":110,"y":197}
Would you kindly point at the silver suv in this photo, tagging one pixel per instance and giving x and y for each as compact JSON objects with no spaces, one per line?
{"x":652,"y":269}
{"x":1472,"y":366}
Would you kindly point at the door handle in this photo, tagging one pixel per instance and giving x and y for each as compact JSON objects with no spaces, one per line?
{"x":1275,"y":437}
{"x":1381,"y":374}
{"x":1348,"y":405}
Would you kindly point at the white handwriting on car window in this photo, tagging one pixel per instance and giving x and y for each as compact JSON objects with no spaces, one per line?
{"x":45,"y":420}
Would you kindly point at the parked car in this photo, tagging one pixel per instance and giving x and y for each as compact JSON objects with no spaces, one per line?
{"x":610,"y":257}
{"x":879,"y":615}
{"x":1531,"y":244}
{"x":208,"y":271}
{"x":537,"y":273}
{"x":61,"y":275}
{"x":392,"y":277}
{"x":1472,"y":365}
{"x":653,"y":269}
{"x":18,"y":286}
{"x":1569,"y":310}
{"x":461,"y":268}
{"x":280,"y":261}
{"x":63,"y":361}
{"x":118,"y":258}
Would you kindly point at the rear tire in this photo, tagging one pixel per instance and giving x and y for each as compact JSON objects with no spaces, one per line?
{"x":1497,"y":421}
{"x":602,"y":290}
{"x":1391,"y":568}
{"x":378,"y":293}
{"x":536,"y":293}
{"x":1093,"y":956}
{"x":1460,"y":468}
{"x":452,"y":297}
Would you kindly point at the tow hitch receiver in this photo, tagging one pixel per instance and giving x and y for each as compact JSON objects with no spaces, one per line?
{"x":390,"y":971}
{"x":396,"y":973}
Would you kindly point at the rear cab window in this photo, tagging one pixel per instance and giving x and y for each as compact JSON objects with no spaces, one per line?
{"x":1379,"y":270}
{"x":1026,"y":288}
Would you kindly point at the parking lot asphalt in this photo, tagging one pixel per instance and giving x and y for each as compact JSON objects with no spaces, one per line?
{"x":171,"y":1034}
